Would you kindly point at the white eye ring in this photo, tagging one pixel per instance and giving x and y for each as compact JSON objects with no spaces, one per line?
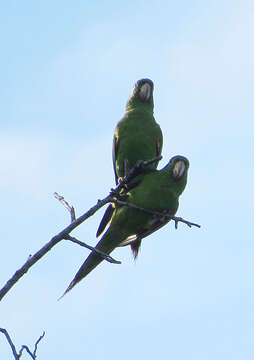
{"x":145,"y":92}
{"x":179,"y":169}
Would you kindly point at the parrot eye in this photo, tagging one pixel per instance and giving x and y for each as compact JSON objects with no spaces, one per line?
{"x":145,"y":92}
{"x":179,"y":169}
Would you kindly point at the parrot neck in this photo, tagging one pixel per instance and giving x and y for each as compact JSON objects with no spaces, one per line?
{"x":141,"y":109}
{"x":178,"y":189}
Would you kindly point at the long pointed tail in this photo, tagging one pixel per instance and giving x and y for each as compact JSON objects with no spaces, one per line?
{"x":107,"y":244}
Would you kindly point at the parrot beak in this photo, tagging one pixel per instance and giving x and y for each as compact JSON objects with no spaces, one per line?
{"x":145,"y":92}
{"x":179,"y":169}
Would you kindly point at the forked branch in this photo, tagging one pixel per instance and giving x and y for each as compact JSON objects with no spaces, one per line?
{"x":17,"y":355}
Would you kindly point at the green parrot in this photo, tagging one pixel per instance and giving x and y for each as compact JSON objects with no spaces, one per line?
{"x":137,"y":137}
{"x":158,"y":191}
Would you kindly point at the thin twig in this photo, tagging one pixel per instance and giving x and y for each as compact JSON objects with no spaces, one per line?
{"x":37,"y":342}
{"x":179,"y":219}
{"x":32,"y":354}
{"x":156,"y":213}
{"x":66,"y":205}
{"x":25,"y":347}
{"x":101,"y":253}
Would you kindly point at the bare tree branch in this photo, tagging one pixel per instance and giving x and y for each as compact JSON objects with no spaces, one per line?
{"x":49,"y":245}
{"x":16,"y":355}
{"x":64,"y":233}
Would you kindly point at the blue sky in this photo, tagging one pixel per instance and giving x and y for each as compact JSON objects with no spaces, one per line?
{"x":66,"y":73}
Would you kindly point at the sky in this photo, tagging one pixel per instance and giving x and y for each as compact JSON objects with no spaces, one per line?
{"x":66,"y":73}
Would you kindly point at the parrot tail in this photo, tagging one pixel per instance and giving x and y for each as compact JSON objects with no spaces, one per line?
{"x":135,"y":246}
{"x":107,"y":244}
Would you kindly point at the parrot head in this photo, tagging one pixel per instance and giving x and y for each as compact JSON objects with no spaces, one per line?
{"x":177,"y":170}
{"x":142,"y":94}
